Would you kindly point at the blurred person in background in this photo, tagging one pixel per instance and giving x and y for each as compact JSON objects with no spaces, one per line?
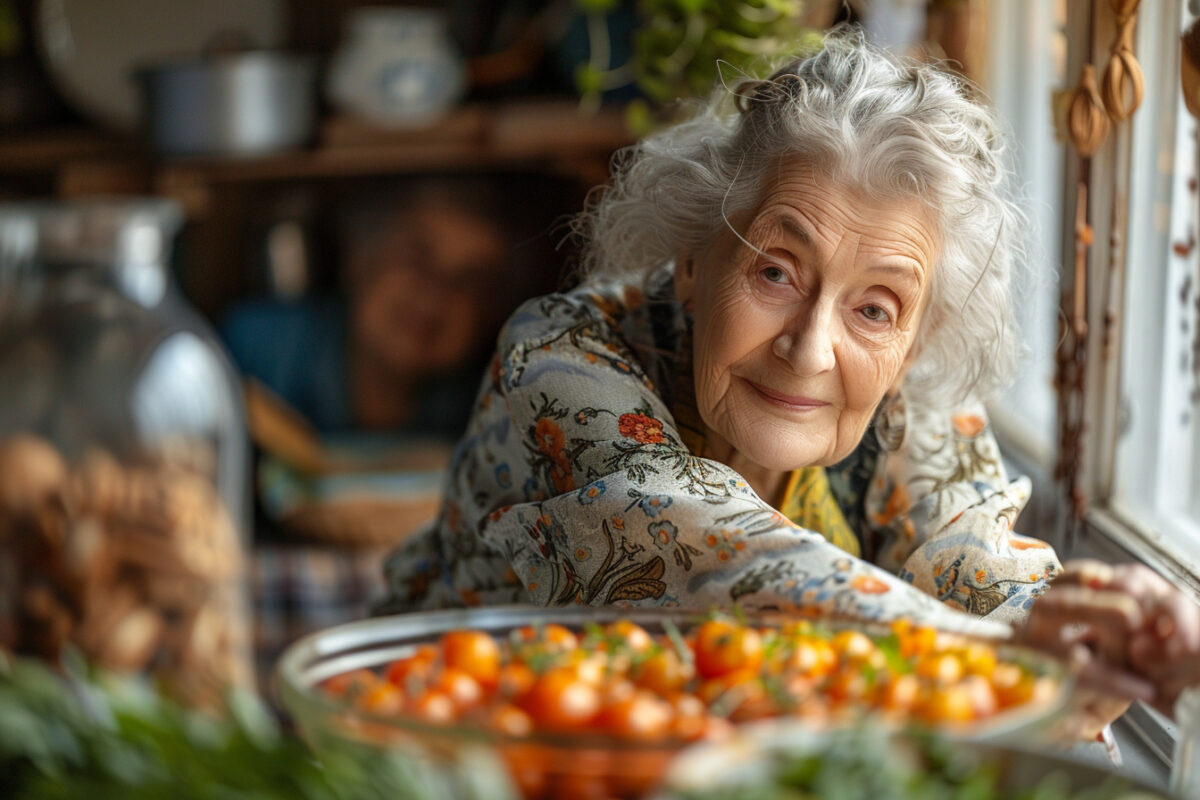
{"x":430,"y":269}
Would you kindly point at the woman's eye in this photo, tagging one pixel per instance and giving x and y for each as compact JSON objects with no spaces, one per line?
{"x":774,"y":274}
{"x":875,"y":313}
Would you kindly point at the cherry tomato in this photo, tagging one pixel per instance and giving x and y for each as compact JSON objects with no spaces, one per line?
{"x":460,"y":687}
{"x":812,"y":657}
{"x":901,"y":693}
{"x":510,"y":720}
{"x":641,"y":716}
{"x":1013,"y":685}
{"x":560,"y":701}
{"x":413,"y":672}
{"x":731,"y":690}
{"x":630,"y":636}
{"x":382,"y":698}
{"x":663,"y":671}
{"x":848,"y":686}
{"x":946,"y":704}
{"x":983,"y":696}
{"x":979,"y":659}
{"x":941,"y":668}
{"x":352,"y":684}
{"x":514,"y":680}
{"x":475,"y":653}
{"x":724,"y":647}
{"x":550,"y":638}
{"x":918,"y":641}
{"x":853,"y":647}
{"x":434,"y":706}
{"x":689,"y":712}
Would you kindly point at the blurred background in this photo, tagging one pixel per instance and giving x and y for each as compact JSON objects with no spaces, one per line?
{"x":300,"y":224}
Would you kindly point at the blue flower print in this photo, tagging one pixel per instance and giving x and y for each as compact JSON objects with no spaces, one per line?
{"x":503,"y":476}
{"x":664,"y":533}
{"x":588,"y":494}
{"x":652,"y":504}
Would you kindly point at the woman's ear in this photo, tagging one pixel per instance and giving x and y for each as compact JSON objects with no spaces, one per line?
{"x":685,"y":279}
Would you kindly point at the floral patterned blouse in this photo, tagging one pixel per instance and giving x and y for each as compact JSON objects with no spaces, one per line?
{"x":581,"y":479}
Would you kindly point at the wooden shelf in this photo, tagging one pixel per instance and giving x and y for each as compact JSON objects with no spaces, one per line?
{"x":545,"y":135}
{"x":552,"y":135}
{"x":44,"y":151}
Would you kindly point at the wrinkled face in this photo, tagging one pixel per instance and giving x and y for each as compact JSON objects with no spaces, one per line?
{"x":796,"y":346}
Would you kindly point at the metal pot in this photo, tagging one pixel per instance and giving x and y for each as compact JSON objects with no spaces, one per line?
{"x":237,"y":104}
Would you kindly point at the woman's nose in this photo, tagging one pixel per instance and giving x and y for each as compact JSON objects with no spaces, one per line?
{"x":808,"y":344}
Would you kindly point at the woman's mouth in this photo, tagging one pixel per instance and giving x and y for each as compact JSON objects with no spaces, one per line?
{"x":791,"y":402}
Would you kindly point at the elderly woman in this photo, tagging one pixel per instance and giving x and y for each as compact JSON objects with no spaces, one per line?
{"x":766,"y":390}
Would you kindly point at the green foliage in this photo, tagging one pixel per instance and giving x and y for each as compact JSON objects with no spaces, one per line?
{"x":684,"y":46}
{"x":867,"y":765}
{"x":99,"y":737}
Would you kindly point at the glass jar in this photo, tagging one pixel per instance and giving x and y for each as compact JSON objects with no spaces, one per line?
{"x":123,"y":453}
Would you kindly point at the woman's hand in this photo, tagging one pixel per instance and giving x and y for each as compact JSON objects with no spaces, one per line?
{"x":1126,"y":630}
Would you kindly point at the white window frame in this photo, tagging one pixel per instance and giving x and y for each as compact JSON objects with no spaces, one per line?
{"x":1139,"y":480}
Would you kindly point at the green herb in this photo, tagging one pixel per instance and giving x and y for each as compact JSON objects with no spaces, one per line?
{"x":681,"y":648}
{"x":95,"y":736}
{"x":869,"y":764}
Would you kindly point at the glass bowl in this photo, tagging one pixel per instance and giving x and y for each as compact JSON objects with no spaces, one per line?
{"x":541,"y":764}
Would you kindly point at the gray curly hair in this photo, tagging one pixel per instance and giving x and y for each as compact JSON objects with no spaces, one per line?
{"x":866,"y":118}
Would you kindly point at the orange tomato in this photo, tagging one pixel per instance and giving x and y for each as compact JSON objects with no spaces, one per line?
{"x":729,"y":691}
{"x":901,"y":693}
{"x":946,"y":704}
{"x":514,"y":679}
{"x":848,"y":686}
{"x":434,"y":706}
{"x":940,"y":668}
{"x":460,"y":687}
{"x":413,"y":672}
{"x":724,"y":647}
{"x":853,"y":646}
{"x":550,"y":638}
{"x":382,"y":698}
{"x":626,"y":635}
{"x":979,"y":659}
{"x":641,"y":716}
{"x":918,"y":641}
{"x":688,"y":721}
{"x":663,"y":671}
{"x":475,"y":653}
{"x":353,"y":683}
{"x":560,"y":701}
{"x":510,"y":720}
{"x":983,"y":695}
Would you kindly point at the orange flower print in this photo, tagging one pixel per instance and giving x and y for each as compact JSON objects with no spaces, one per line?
{"x":725,"y":543}
{"x":968,"y":425}
{"x":641,"y":428}
{"x":869,"y":584}
{"x":560,"y":475}
{"x":549,"y":437}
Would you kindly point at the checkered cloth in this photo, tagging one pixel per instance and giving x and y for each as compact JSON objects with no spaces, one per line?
{"x":298,"y":588}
